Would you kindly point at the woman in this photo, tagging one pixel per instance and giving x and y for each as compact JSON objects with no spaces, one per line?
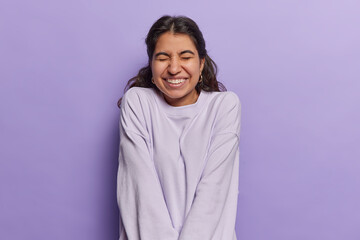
{"x":179,"y":138}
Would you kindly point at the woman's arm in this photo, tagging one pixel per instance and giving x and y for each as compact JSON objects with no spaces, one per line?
{"x":218,"y":185}
{"x":142,"y":206}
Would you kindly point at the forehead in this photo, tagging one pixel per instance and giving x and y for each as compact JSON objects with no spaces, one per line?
{"x":170,"y":42}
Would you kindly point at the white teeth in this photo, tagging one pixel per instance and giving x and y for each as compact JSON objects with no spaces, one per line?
{"x":175,"y":81}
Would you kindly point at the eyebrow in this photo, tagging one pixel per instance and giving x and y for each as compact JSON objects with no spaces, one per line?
{"x":166,"y":54}
{"x":162,"y":53}
{"x":187,"y":51}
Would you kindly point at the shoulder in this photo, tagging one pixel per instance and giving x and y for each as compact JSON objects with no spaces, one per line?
{"x":229,"y":98}
{"x":137,"y":92}
{"x":226,"y":109}
{"x":224,"y":101}
{"x":137,"y":96}
{"x":135,"y":110}
{"x":137,"y":102}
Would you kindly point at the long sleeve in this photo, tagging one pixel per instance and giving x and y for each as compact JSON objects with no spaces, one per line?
{"x":213,"y":212}
{"x":143,"y":211}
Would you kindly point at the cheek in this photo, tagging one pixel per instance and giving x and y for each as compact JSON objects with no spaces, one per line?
{"x":193,"y":68}
{"x":157,"y":69}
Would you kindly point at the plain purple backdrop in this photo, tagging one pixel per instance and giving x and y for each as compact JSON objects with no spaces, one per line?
{"x":294,"y":64}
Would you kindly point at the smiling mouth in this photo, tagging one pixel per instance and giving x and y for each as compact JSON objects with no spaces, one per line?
{"x":175,"y":81}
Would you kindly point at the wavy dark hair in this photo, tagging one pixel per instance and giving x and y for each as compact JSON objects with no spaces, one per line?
{"x":183,"y":25}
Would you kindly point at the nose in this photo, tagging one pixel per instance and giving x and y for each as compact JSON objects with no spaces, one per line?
{"x":174,"y":66}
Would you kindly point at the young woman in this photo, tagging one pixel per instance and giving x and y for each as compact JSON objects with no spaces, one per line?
{"x":179,"y":142}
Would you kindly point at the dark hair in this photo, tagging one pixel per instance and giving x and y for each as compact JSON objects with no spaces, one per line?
{"x":179,"y":24}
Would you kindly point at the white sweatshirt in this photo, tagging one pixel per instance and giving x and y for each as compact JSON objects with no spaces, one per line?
{"x":178,"y":167}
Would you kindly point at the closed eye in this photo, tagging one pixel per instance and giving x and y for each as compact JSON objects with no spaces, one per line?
{"x":162,"y":56}
{"x":187,"y":54}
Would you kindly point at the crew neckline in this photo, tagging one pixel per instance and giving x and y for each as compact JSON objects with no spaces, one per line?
{"x":180,"y":110}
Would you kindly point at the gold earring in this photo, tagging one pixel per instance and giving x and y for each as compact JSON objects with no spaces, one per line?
{"x":201,"y":78}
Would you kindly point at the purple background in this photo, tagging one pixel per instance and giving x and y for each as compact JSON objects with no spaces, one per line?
{"x":294,"y":64}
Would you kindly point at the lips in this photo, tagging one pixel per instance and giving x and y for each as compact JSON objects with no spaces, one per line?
{"x":176,"y":80}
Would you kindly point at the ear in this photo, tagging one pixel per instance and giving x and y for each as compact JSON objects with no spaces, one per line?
{"x":202,"y":64}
